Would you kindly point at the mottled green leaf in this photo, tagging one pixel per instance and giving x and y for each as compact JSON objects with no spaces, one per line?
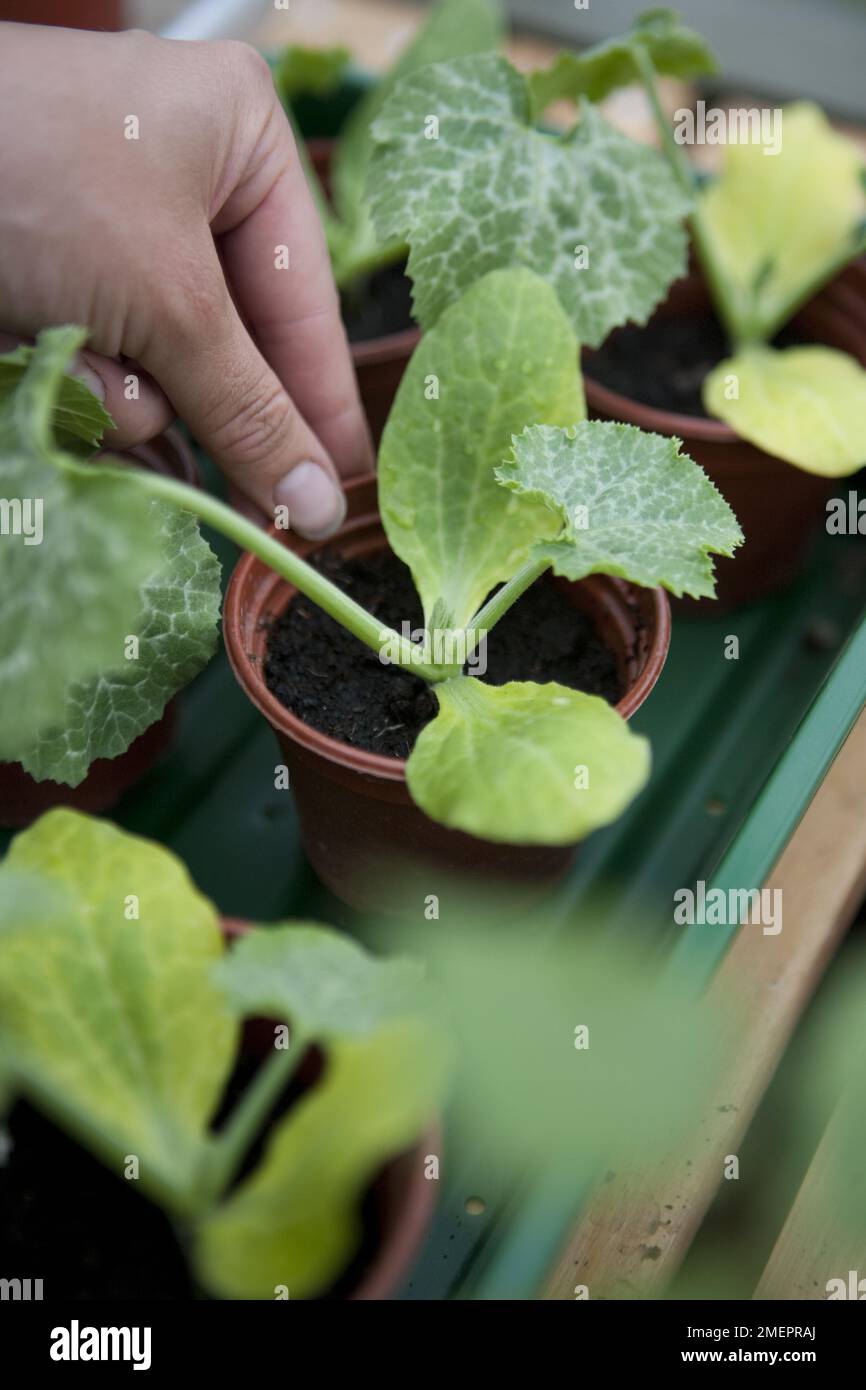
{"x":78,"y":419}
{"x":631,"y":503}
{"x":453,"y":28}
{"x":596,"y":214}
{"x":778,"y":226}
{"x":595,"y":72}
{"x":525,"y":763}
{"x":502,"y":356}
{"x":296,"y":1220}
{"x":177,"y":635}
{"x":322,"y":982}
{"x":806,"y":405}
{"x":68,"y":600}
{"x":109,"y":1020}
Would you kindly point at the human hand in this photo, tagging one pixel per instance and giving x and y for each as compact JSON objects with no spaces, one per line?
{"x":148,"y":186}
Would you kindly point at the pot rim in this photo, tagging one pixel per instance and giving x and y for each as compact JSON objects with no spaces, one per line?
{"x":333,"y":750}
{"x":670,"y":422}
{"x":394,"y":1257}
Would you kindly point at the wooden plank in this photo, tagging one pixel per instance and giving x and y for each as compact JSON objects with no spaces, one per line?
{"x":818,"y":1241}
{"x":637,"y":1227}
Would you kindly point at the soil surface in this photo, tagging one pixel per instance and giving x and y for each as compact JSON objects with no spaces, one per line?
{"x":86,"y":1233}
{"x":379,"y":305}
{"x":664,"y":365}
{"x":334,"y":683}
{"x":90,"y":1235}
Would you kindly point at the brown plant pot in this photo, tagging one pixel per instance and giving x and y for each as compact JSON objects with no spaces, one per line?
{"x":361,"y":829}
{"x":402,"y":1199}
{"x":848,"y":291}
{"x":779,"y":506}
{"x":22,"y":798}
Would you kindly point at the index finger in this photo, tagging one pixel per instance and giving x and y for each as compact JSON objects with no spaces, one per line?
{"x":276,"y":261}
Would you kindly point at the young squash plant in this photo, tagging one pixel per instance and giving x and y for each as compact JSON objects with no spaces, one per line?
{"x":489,"y":476}
{"x":604,"y":221}
{"x":452,"y":29}
{"x":125,"y":1031}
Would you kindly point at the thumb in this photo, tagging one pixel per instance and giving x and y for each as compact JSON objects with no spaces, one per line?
{"x":240,"y":412}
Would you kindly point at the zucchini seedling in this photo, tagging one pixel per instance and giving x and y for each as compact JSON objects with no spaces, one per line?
{"x":489,"y":475}
{"x":604,"y":220}
{"x":452,"y":29}
{"x":121,"y":1013}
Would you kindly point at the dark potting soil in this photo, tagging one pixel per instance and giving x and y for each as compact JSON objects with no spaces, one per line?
{"x":378,"y":306}
{"x":665,"y":364}
{"x":90,"y":1235}
{"x":337,"y":685}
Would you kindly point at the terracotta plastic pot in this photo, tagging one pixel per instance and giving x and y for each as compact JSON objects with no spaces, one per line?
{"x":22,"y":798}
{"x":778,"y":506}
{"x":361,"y":829}
{"x":848,"y":290}
{"x":401,"y":1199}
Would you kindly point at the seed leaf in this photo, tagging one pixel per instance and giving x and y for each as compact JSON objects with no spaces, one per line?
{"x":806,"y":405}
{"x":503,"y":355}
{"x":524,"y":763}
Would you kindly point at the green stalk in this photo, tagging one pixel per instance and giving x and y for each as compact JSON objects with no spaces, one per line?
{"x":289,"y":566}
{"x":228,"y":1149}
{"x":353,"y":267}
{"x":500,"y":602}
{"x":685,"y":176}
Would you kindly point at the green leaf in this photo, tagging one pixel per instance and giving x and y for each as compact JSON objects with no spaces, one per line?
{"x":777,"y":227}
{"x":453,"y":28}
{"x":177,"y":634}
{"x":77,"y":417}
{"x":300,"y":71}
{"x":113,"y":1025}
{"x":596,"y":214}
{"x":70,"y":594}
{"x":632,"y":505}
{"x":576,"y":1050}
{"x":806,"y":405}
{"x":326,"y":985}
{"x":595,"y":72}
{"x":296,"y":1220}
{"x":504,"y":762}
{"x":502,"y":356}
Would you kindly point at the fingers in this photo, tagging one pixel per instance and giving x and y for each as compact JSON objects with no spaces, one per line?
{"x":135,"y":403}
{"x":237,"y":407}
{"x":277,"y":264}
{"x":139,"y":409}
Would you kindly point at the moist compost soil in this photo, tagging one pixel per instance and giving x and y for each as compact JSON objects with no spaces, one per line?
{"x":334,"y":683}
{"x":379,"y":306}
{"x":665,"y":364}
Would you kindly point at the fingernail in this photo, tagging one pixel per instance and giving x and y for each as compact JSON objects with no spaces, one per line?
{"x":92,"y":380}
{"x":316,"y":503}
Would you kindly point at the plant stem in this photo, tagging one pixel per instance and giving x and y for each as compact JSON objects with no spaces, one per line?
{"x":228,"y":1149}
{"x":683,"y":172}
{"x":290,"y":566}
{"x":500,"y":602}
{"x":352,"y":268}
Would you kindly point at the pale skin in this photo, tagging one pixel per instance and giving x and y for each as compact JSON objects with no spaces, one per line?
{"x":165,"y":247}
